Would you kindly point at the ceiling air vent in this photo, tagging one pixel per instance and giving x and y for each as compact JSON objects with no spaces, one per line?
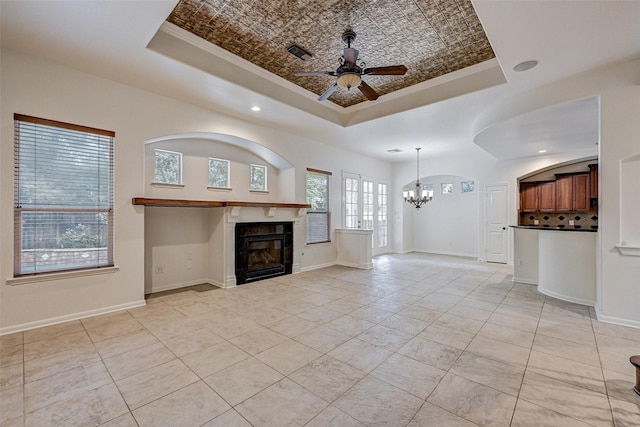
{"x":299,"y":52}
{"x":394,"y":150}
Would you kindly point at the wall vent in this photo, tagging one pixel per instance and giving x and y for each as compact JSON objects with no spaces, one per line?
{"x":299,"y":52}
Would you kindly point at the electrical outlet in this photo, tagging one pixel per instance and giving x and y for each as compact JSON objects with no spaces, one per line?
{"x":572,"y":222}
{"x":188,"y":263}
{"x":536,"y":222}
{"x":520,"y":262}
{"x":159,"y":269}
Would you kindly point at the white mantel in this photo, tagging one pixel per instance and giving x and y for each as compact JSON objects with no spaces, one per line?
{"x":239,"y":214}
{"x":214,"y":251}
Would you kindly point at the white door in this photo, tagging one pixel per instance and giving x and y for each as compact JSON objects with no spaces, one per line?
{"x":496,"y":203}
{"x":365,"y":206}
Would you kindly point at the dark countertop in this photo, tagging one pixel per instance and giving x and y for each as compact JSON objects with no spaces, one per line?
{"x":540,"y":227}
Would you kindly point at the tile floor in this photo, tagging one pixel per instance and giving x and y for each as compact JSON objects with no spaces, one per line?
{"x":420,"y":340}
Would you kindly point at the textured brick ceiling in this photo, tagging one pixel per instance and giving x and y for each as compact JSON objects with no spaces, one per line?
{"x":430,"y":37}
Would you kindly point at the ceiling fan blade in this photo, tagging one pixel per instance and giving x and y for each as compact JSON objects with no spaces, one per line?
{"x":350,"y":56}
{"x":391,"y":70}
{"x":368,"y":91}
{"x":328,"y":92}
{"x":315,"y":73}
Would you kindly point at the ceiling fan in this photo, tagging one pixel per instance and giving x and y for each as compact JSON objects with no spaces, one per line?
{"x":349,"y":73}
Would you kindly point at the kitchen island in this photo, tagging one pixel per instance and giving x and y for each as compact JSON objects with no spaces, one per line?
{"x":560,"y":261}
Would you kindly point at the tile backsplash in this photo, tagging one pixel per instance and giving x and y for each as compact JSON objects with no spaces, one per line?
{"x":580,"y":220}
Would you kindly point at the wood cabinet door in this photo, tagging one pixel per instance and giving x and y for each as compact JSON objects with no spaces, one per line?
{"x":581,"y":193}
{"x":564,"y":196}
{"x":547,"y":196}
{"x":593,"y":181}
{"x":528,"y":197}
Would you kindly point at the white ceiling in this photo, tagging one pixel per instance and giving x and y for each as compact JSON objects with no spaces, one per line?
{"x":110,"y":39}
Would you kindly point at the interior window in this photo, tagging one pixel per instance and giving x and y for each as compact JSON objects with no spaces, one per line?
{"x":168,"y":167}
{"x":219,"y":173}
{"x":258,"y":178}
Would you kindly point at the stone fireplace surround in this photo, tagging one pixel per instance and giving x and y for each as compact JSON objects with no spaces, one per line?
{"x":224,"y":217}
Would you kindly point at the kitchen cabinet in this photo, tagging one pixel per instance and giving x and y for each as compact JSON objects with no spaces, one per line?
{"x":538,"y":196}
{"x":547,"y":196}
{"x":529,"y":197}
{"x":593,"y":181}
{"x":573,"y":192}
{"x":581,"y":192}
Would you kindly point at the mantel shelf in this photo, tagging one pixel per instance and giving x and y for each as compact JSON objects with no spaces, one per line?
{"x":213,"y":203}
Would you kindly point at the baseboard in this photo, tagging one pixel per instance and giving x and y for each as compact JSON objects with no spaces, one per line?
{"x":361,"y":266}
{"x":566,"y":297}
{"x":69,"y":317}
{"x":525,"y":281}
{"x":172,"y":286}
{"x":317,"y":266}
{"x":616,"y":320}
{"x":458,"y":254}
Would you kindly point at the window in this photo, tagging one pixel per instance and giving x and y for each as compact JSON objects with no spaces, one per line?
{"x":428,"y":188}
{"x":467,"y":186}
{"x":351,"y":202}
{"x":258,"y":178}
{"x":168,"y":168}
{"x":367,"y":205}
{"x":446,"y":188}
{"x":318,"y":215}
{"x":218,"y":173}
{"x":382,"y":215}
{"x":63,"y":196}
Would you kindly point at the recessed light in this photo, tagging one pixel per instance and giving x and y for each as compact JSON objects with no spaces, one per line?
{"x":542,"y":151}
{"x":524,"y":66}
{"x":255,"y":108}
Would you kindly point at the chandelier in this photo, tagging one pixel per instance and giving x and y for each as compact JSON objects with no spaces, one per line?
{"x":418,"y":196}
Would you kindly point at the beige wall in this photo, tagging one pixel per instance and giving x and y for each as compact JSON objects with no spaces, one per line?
{"x":618,"y":276}
{"x":43,"y":89}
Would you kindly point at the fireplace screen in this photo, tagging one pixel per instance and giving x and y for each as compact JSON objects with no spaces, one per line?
{"x":263,"y":250}
{"x":265,"y":254}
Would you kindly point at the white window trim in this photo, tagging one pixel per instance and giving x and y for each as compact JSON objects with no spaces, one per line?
{"x":180,"y":178}
{"x":215,"y":187}
{"x":19,"y":275}
{"x":167,"y":185}
{"x":265,"y":189}
{"x":327,"y":213}
{"x":47,"y":277}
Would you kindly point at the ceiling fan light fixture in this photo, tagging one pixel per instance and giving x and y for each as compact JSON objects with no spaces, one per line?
{"x":349,"y":80}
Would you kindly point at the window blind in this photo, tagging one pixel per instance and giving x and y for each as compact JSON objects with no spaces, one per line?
{"x":63,"y":194}
{"x":318,"y":215}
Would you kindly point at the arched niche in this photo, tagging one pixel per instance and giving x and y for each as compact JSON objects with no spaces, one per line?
{"x":197,"y":147}
{"x":449,"y":223}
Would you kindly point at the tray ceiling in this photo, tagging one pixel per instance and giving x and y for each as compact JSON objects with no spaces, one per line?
{"x":431,"y":37}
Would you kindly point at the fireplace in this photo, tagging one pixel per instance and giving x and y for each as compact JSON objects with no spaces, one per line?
{"x":263,"y":250}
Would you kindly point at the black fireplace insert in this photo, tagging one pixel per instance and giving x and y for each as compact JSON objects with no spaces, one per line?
{"x":263,"y":250}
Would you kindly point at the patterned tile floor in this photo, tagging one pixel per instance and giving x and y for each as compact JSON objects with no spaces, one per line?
{"x":420,"y":340}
